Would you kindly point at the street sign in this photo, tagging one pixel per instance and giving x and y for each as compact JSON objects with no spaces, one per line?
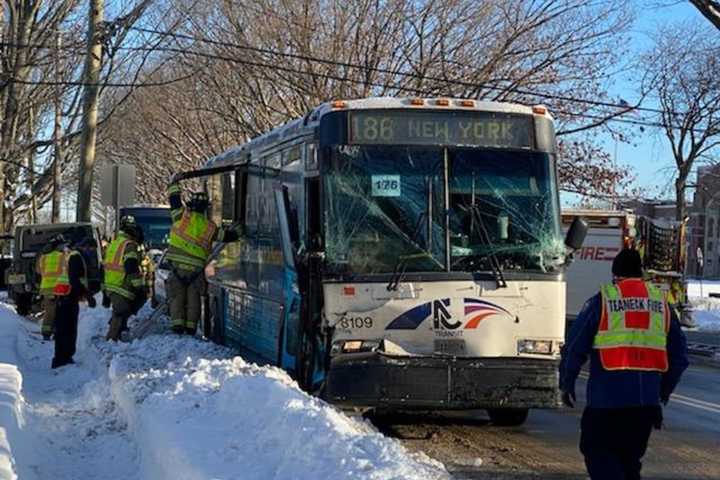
{"x":117,"y":187}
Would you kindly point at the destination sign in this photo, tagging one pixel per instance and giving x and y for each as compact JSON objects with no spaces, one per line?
{"x":484,"y":129}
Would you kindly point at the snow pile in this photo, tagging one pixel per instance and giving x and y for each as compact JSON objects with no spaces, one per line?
{"x":173,"y":407}
{"x":705,"y":309}
{"x":10,"y":399}
{"x":706,"y":313}
{"x":697,"y":288}
{"x":196,"y":417}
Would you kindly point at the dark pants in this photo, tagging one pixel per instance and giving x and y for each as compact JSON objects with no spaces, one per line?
{"x":66,"y":323}
{"x":122,"y":309}
{"x":613,"y":440}
{"x":185,"y":293}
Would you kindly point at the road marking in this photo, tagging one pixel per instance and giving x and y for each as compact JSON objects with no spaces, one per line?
{"x":696,"y":400}
{"x":695,"y":405}
{"x":682,"y":399}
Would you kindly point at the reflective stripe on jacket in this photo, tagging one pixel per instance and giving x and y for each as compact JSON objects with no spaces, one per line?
{"x":634,"y":322}
{"x":191,"y":238}
{"x":116,"y":280}
{"x":53,"y":269}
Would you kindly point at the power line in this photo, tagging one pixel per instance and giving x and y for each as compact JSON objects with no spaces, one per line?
{"x":411,"y":75}
{"x":435,"y":91}
{"x":328,"y":76}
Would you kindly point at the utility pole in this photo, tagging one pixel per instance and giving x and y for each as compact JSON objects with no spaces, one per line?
{"x":93,"y":64}
{"x":57,"y":136}
{"x":32,"y":214}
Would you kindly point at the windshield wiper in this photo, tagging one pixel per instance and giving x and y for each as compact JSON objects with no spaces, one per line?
{"x":491,"y":255}
{"x":401,"y":264}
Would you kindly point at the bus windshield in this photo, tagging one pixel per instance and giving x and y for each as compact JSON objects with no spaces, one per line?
{"x":385,"y":205}
{"x":155,"y":223}
{"x":156,"y":229}
{"x":503,"y":203}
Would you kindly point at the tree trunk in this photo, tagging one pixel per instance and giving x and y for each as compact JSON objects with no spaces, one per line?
{"x":680,"y":199}
{"x":57,"y":138}
{"x":90,"y":105}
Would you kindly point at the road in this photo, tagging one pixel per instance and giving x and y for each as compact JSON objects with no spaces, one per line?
{"x":687,"y":448}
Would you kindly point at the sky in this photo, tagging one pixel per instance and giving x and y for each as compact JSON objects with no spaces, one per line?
{"x":649,"y":155}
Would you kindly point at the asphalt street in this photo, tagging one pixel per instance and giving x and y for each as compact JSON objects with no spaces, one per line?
{"x":687,"y":448}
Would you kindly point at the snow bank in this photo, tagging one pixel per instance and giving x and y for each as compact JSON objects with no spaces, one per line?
{"x":10,"y":397}
{"x":696,"y":287}
{"x":169,"y":407}
{"x":706,"y":313}
{"x":199,"y":414}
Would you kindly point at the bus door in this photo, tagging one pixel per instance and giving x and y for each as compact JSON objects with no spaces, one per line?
{"x":289,"y":343}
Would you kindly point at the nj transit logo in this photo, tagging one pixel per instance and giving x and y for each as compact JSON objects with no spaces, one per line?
{"x":477,"y":310}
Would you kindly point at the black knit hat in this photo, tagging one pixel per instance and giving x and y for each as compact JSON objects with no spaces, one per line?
{"x":627,"y":264}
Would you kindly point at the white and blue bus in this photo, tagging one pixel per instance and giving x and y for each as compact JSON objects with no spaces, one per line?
{"x":397,"y":254}
{"x":155,"y":222}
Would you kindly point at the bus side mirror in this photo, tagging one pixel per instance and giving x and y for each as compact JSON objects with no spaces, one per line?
{"x":576,"y":233}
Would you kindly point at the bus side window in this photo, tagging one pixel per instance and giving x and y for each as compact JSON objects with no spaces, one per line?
{"x":250,"y":256}
{"x":213,"y":187}
{"x":228,"y":198}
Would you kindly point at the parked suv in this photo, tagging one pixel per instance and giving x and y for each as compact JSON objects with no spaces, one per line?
{"x":21,"y":277}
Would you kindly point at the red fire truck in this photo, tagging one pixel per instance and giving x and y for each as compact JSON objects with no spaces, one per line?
{"x":661,"y":244}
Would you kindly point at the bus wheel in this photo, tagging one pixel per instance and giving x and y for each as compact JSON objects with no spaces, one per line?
{"x":23,"y":304}
{"x":508,"y":417}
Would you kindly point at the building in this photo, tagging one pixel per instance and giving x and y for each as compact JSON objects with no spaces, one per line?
{"x":704,"y":224}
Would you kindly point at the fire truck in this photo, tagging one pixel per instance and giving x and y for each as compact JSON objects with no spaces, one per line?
{"x":661,"y":244}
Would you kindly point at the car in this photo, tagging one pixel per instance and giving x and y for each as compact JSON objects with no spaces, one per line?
{"x":21,"y":276}
{"x":162,"y":273}
{"x":6,"y":248}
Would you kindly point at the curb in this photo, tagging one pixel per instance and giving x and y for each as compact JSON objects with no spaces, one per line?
{"x":704,"y":354}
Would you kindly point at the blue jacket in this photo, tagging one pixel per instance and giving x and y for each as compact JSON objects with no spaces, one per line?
{"x":624,"y":388}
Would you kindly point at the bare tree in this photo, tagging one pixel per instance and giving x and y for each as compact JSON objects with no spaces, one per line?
{"x":685,"y":71}
{"x":255,"y":64}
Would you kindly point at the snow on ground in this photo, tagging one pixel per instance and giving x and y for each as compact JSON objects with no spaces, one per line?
{"x":706,"y":309}
{"x":176,"y":408}
{"x":698,"y":288}
{"x":706,"y":313}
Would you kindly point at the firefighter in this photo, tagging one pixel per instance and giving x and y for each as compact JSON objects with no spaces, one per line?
{"x":637,"y":354}
{"x":191,"y":238}
{"x":46,"y":268}
{"x":124,"y":282}
{"x":65,"y":274}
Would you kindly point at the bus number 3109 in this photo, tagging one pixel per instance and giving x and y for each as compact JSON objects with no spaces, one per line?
{"x":356,"y":322}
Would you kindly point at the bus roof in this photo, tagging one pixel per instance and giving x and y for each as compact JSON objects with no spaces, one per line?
{"x":309,"y":122}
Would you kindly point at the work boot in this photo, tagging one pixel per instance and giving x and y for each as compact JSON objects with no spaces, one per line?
{"x":190,"y":331}
{"x":178,"y":329}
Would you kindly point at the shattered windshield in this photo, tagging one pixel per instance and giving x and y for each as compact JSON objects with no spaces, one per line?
{"x":384,"y":205}
{"x":503,"y":203}
{"x":385,"y":210}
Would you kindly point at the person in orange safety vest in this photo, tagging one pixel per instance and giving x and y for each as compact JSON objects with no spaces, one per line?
{"x":64,"y":278}
{"x":637,"y":354}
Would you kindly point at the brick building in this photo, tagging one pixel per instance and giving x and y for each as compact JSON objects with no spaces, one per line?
{"x":704,"y":225}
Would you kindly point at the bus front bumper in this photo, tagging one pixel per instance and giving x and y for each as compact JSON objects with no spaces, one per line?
{"x":368,"y":380}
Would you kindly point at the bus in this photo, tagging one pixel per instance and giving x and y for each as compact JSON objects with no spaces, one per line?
{"x":397,"y":254}
{"x":155,"y":222}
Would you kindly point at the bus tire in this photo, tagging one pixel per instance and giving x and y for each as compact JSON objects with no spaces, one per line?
{"x":23,"y":304}
{"x":508,"y":417}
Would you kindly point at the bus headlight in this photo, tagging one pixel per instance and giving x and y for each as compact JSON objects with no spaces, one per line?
{"x":355,"y":346}
{"x":535,"y":347}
